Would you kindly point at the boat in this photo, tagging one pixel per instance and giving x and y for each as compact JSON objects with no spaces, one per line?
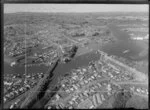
{"x":13,"y":63}
{"x":126,"y":51}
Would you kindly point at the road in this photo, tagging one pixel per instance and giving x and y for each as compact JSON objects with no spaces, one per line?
{"x":139,"y":76}
{"x":21,"y":96}
{"x":130,"y":82}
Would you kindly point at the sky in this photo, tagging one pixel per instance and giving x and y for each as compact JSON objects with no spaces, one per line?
{"x":12,"y":8}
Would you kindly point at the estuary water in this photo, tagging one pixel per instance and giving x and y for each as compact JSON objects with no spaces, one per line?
{"x":124,"y":43}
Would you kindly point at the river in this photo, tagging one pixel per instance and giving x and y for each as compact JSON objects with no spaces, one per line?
{"x":123,"y":43}
{"x":62,"y":68}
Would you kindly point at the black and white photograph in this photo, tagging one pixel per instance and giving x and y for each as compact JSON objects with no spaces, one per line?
{"x":75,"y":56}
{"x":76,"y":1}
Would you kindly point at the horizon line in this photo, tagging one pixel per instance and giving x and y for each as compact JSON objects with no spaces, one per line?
{"x":77,"y":12}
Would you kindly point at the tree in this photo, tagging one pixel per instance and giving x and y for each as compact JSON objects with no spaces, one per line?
{"x":121,"y":98}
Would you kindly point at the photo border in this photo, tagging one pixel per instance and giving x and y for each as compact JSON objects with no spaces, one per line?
{"x":57,"y":2}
